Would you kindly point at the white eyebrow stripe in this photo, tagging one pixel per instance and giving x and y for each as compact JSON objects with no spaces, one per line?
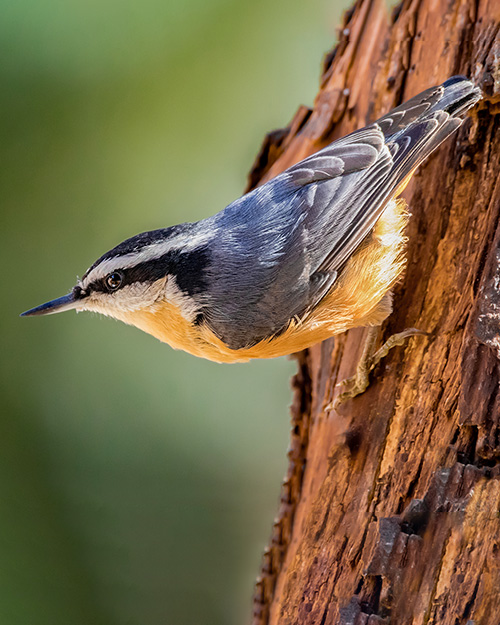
{"x":146,"y":254}
{"x":109,"y":265}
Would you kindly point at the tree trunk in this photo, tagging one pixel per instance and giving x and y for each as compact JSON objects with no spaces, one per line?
{"x":390,"y":508}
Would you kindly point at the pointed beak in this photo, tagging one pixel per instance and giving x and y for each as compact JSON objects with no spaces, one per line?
{"x":67,"y":302}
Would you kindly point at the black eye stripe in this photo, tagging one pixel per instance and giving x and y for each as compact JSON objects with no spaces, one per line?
{"x":189,"y":269}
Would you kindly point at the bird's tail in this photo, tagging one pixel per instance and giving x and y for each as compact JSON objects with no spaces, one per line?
{"x":458,"y":96}
{"x":454,"y":97}
{"x":417,"y":127}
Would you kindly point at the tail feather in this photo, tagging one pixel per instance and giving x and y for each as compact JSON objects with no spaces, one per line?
{"x":455,"y":96}
{"x":459,"y":95}
{"x":412,"y":143}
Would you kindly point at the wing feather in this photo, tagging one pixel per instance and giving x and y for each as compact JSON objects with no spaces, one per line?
{"x":283,"y":244}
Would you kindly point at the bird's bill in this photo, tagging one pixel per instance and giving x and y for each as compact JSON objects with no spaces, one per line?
{"x":67,"y":302}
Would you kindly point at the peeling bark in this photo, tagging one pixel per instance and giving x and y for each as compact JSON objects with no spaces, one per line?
{"x":390,"y":510}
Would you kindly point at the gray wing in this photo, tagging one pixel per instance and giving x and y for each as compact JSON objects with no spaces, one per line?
{"x":278,"y":250}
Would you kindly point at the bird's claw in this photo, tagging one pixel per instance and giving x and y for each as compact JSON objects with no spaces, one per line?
{"x":360,"y":381}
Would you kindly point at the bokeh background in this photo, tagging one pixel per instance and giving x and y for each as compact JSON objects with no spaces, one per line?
{"x":137,"y":484}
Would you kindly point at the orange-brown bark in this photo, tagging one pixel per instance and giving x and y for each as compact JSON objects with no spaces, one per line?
{"x":390,"y":508}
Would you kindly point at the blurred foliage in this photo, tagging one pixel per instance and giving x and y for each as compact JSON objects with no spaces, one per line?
{"x":137,"y":484}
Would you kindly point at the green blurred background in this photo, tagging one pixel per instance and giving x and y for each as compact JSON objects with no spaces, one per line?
{"x":137,"y":484}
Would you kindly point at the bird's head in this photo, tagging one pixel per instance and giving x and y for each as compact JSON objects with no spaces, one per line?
{"x":140,"y":275}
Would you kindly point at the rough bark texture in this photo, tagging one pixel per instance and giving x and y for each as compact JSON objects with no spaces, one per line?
{"x":390,"y":511}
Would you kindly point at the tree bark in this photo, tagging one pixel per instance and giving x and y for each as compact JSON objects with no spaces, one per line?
{"x":390,"y":510}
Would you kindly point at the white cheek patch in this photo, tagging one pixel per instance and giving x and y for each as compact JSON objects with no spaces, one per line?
{"x":188,"y":308}
{"x":141,"y":296}
{"x":137,"y":296}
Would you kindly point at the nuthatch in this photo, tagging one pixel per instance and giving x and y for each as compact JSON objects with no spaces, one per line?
{"x":311,"y":253}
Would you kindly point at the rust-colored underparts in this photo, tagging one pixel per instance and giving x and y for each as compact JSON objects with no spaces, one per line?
{"x":390,"y":511}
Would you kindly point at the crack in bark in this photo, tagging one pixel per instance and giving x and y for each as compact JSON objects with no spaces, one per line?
{"x":469,"y":604}
{"x":432,"y":596}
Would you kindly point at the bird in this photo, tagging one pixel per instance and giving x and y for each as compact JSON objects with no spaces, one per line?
{"x":311,"y":253}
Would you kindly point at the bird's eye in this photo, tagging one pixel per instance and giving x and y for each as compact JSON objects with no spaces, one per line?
{"x":114,"y":280}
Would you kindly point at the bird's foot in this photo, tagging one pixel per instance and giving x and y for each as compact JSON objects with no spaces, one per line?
{"x":359,"y":382}
{"x":393,"y":341}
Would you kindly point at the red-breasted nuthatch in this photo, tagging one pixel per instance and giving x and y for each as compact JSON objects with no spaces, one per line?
{"x":309,"y":254}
